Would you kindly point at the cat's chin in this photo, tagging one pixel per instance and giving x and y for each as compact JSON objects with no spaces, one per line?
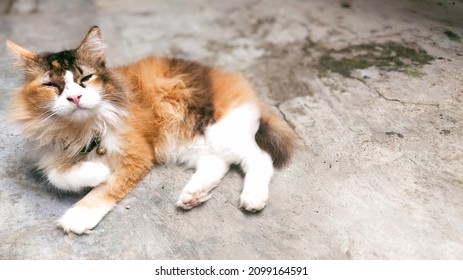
{"x":81,"y":114}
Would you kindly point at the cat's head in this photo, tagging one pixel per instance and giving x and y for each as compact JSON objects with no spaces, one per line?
{"x":67,"y":89}
{"x":72,"y":84}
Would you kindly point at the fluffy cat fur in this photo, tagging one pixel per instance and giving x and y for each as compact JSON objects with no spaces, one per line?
{"x":150,"y":112}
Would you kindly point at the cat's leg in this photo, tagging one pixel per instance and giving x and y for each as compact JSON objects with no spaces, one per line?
{"x":81,"y":175}
{"x":209,"y":171}
{"x":88,"y":212}
{"x":234,"y":138}
{"x":258,"y":167}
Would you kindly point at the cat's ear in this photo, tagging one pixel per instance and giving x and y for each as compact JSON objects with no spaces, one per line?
{"x":27,"y":60}
{"x":93,"y":46}
{"x":20,"y":51}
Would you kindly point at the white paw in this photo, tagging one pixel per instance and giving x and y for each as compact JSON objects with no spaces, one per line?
{"x":188,"y":200}
{"x":81,"y":220}
{"x":253,"y":201}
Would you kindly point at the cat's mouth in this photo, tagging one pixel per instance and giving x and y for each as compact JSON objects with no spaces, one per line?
{"x":80,"y":112}
{"x":79,"y":107}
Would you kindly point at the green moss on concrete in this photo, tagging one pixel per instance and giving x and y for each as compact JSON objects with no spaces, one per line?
{"x":389,"y":56}
{"x":452,"y":35}
{"x":413,"y":72}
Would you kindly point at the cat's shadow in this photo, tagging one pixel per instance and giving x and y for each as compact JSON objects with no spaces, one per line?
{"x":27,"y":177}
{"x":39,"y":178}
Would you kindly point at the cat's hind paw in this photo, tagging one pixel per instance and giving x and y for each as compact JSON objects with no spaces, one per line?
{"x":253,"y":202}
{"x":188,"y":200}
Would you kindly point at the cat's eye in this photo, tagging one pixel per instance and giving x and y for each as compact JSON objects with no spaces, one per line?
{"x":86,"y":78}
{"x":50,"y":84}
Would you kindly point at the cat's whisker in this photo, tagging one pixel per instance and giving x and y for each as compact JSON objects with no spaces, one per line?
{"x":51,"y":115}
{"x":45,"y":112}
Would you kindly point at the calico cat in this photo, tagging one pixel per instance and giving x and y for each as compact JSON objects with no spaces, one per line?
{"x":105,"y":128}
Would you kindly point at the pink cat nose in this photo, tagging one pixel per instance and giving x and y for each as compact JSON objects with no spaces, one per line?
{"x":74,"y":99}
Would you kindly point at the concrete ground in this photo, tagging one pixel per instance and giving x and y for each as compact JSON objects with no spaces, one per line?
{"x":374,"y":90}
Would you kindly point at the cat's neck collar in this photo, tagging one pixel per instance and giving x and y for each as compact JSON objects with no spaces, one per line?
{"x":95,"y":143}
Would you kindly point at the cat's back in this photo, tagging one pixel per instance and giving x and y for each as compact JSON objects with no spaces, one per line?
{"x":200,"y":86}
{"x":153,"y":72}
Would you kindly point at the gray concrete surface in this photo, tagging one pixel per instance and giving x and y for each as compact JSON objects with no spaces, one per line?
{"x":374,"y":90}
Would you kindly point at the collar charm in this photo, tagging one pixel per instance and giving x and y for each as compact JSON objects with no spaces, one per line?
{"x":95,"y":143}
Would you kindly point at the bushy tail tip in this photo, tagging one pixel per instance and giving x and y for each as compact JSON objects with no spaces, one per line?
{"x":275,"y":137}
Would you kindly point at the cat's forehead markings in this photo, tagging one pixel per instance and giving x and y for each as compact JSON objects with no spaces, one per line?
{"x":56,"y":64}
{"x":60,"y":61}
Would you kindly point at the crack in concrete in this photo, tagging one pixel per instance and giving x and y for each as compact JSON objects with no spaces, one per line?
{"x":394,"y":99}
{"x":404,"y":102}
{"x":285,"y":118}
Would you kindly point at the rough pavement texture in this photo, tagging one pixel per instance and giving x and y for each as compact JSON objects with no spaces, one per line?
{"x":374,"y":90}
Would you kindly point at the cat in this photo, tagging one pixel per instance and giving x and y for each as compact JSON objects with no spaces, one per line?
{"x":105,"y":128}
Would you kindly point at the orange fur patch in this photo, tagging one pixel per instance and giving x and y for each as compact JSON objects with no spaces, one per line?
{"x":230,"y":90}
{"x":56,"y":64}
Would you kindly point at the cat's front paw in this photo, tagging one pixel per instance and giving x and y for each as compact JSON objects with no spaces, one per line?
{"x":188,"y":200}
{"x":81,"y":220}
{"x":253,"y":201}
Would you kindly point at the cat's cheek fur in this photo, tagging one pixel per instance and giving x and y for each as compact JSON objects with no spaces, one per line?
{"x":91,"y":98}
{"x":82,"y":175}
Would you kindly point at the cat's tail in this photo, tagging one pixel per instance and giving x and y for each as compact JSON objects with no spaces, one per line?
{"x":276,"y":138}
